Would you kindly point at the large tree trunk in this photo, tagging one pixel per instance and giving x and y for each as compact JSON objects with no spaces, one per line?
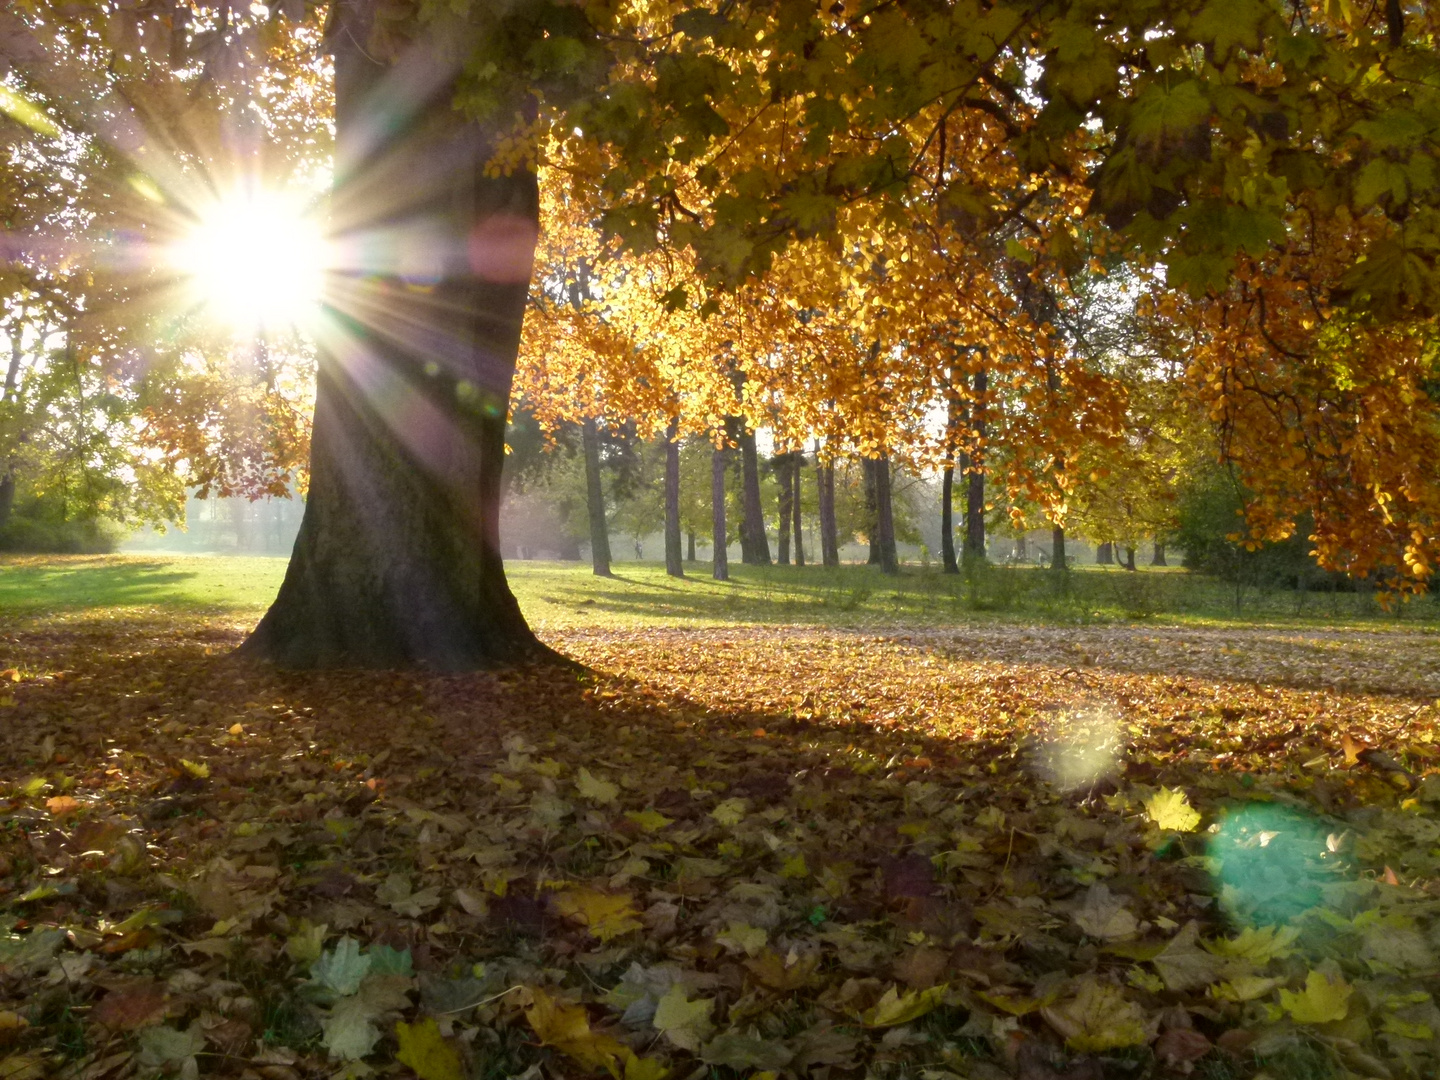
{"x":1057,"y":548}
{"x":786,"y":495}
{"x":885,"y":517}
{"x":1159,"y":557}
{"x":595,"y":500}
{"x":796,"y":468}
{"x":975,"y":488}
{"x":829,"y":532}
{"x":674,"y":556}
{"x":398,"y":558}
{"x":1129,"y":557}
{"x":1105,"y":554}
{"x":719,"y":534}
{"x":752,"y":520}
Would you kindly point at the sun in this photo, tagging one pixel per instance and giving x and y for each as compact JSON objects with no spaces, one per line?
{"x":254,"y":261}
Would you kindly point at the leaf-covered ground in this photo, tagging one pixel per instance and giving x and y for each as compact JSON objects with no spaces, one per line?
{"x":1029,"y":853}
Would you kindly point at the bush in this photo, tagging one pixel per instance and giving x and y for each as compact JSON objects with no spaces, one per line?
{"x":38,"y":527}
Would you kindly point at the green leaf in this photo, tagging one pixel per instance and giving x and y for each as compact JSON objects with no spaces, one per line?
{"x":164,"y":1045}
{"x":349,"y":1030}
{"x":685,"y":1023}
{"x":341,"y":969}
{"x":589,"y":786}
{"x":736,"y":1051}
{"x":387,"y":961}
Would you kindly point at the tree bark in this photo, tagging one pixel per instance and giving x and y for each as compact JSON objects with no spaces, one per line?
{"x":829,"y":532}
{"x":1129,"y":557}
{"x":595,"y":500}
{"x":1057,"y":548}
{"x":674,"y":556}
{"x":975,"y":486}
{"x":786,"y":496}
{"x":948,"y":564}
{"x":719,"y":534}
{"x":689,"y":545}
{"x":397,"y":562}
{"x":1159,"y":557}
{"x":797,"y":466}
{"x":7,"y":497}
{"x":752,"y":520}
{"x":872,"y":510}
{"x":1105,"y":554}
{"x":885,"y":517}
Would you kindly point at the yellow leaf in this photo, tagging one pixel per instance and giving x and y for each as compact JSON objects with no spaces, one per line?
{"x":1099,"y":1018}
{"x":1015,"y":1006}
{"x":647,"y":1068}
{"x":684,"y":1023}
{"x":1408,"y":1029}
{"x":1259,"y":946}
{"x":893,"y":1008}
{"x":22,"y":1067}
{"x":425,"y":1050}
{"x":34,"y":786}
{"x":237,"y":729}
{"x":595,"y":789}
{"x":1245,"y":988}
{"x":605,"y":915}
{"x":730,"y":812}
{"x":197,"y":769}
{"x":795,"y":867}
{"x":306,"y":944}
{"x":1324,"y":999}
{"x":649,"y":820}
{"x":567,"y":1029}
{"x":1170,"y":809}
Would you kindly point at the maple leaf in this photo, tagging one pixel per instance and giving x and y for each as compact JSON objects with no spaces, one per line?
{"x":895,"y":1008}
{"x":1098,"y":1018}
{"x":605,"y":915}
{"x":425,"y":1050}
{"x":1183,"y":964}
{"x":307,"y":943}
{"x":1103,"y":915}
{"x":1326,"y":998}
{"x":730,"y":812}
{"x":685,"y":1023}
{"x":649,"y":820}
{"x":1259,"y":945}
{"x":567,"y":1029}
{"x":736,"y":1050}
{"x":167,"y":1046}
{"x":1170,"y":809}
{"x":598,"y":791}
{"x":341,"y":969}
{"x":349,"y":1029}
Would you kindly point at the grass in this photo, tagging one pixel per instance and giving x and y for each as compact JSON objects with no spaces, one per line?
{"x":561,"y":595}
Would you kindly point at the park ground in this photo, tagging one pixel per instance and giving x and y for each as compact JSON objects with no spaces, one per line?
{"x":806,"y":824}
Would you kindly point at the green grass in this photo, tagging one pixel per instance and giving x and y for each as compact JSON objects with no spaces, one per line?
{"x":567,"y":594}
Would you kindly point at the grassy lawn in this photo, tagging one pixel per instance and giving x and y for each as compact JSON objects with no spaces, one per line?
{"x":563,"y":595}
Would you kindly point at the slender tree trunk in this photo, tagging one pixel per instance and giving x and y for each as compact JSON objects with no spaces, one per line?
{"x":975,"y":487}
{"x":829,"y":533}
{"x":12,"y":381}
{"x":674,"y":564}
{"x":872,"y":510}
{"x":719,"y":533}
{"x":1159,"y":557}
{"x":1105,"y":554}
{"x":885,"y":517}
{"x":1057,"y":548}
{"x":1129,"y":557}
{"x":397,"y":563}
{"x":689,"y":545}
{"x":752,"y":521}
{"x":7,"y":497}
{"x":797,"y":467}
{"x":948,"y":564}
{"x":595,"y":499}
{"x":786,"y":495}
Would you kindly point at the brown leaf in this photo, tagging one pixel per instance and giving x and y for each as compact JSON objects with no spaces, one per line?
{"x":1179,"y":1045}
{"x":135,"y":1005}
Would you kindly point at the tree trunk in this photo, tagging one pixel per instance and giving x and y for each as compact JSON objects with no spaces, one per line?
{"x":595,"y":500}
{"x":674,"y":565}
{"x":1057,"y":548}
{"x":872,"y":510}
{"x":787,"y":494}
{"x":1105,"y":554}
{"x":1159,"y":557}
{"x":752,"y":520}
{"x":975,"y":488}
{"x":948,"y":564}
{"x":719,"y":534}
{"x":7,"y":497}
{"x":397,"y":563}
{"x":797,"y":465}
{"x":885,"y":517}
{"x":1129,"y":557}
{"x":689,"y":545}
{"x":829,"y":533}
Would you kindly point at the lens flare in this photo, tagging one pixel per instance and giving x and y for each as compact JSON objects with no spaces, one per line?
{"x":1080,"y":750}
{"x":254,"y":261}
